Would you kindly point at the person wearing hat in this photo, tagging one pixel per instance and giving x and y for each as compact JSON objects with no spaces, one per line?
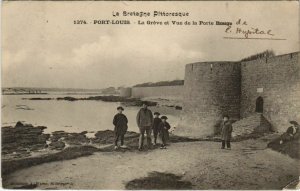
{"x":120,"y":122}
{"x":156,"y":122}
{"x":226,"y":130}
{"x":144,"y":120}
{"x":164,"y":127}
{"x":291,"y":133}
{"x":292,"y":130}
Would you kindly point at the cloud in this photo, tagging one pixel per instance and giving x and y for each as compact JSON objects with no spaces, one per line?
{"x":124,"y":61}
{"x":58,"y":53}
{"x":10,"y":60}
{"x":114,"y":50}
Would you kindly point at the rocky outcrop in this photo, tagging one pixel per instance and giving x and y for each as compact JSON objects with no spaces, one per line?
{"x":124,"y":100}
{"x":38,"y":98}
{"x":69,"y":138}
{"x":108,"y":136}
{"x":9,"y":166}
{"x":58,"y":145}
{"x":22,"y":138}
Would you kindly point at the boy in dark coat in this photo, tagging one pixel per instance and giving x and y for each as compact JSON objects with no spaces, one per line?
{"x":155,"y":128}
{"x":226,"y":130}
{"x":164,"y":127}
{"x":120,"y":122}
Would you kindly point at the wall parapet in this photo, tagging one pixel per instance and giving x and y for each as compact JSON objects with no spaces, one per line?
{"x":282,"y":58}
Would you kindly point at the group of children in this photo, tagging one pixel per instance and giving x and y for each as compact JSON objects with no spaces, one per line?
{"x":160,"y":128}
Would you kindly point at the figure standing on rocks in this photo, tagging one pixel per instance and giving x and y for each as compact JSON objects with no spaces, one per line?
{"x":120,"y":122}
{"x":164,"y":127}
{"x":226,"y":130}
{"x":144,"y":120}
{"x":155,"y":128}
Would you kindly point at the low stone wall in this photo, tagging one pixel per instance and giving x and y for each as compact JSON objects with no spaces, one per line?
{"x":125,"y":92}
{"x":159,"y":91}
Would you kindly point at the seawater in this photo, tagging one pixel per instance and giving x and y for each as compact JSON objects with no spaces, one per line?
{"x":76,"y":116}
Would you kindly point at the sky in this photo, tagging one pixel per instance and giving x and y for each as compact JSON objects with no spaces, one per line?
{"x":42,"y":47}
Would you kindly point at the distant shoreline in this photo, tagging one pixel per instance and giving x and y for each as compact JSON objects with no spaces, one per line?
{"x":24,"y":93}
{"x":127,"y":101}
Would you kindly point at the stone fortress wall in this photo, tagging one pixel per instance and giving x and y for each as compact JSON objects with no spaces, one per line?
{"x":275,"y":82}
{"x":158,"y":91}
{"x":270,"y":85}
{"x":239,"y":89}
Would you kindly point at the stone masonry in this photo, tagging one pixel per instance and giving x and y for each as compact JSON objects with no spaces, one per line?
{"x":212,"y":89}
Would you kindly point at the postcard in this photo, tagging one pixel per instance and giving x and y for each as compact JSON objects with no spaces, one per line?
{"x":150,"y":95}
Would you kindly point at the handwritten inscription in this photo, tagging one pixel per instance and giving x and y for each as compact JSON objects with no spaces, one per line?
{"x":243,"y":29}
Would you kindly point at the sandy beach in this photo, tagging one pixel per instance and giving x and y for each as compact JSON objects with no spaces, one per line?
{"x":249,"y":165}
{"x":86,"y":159}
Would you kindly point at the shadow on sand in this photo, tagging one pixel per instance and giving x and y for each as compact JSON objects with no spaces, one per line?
{"x":159,"y":181}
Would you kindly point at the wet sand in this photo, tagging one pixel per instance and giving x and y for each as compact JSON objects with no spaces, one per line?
{"x":249,"y":165}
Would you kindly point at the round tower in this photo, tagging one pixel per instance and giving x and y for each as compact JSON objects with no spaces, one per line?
{"x":211,"y":89}
{"x":125,"y":92}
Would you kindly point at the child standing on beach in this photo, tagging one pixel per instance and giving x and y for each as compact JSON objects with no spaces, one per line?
{"x":120,"y":122}
{"x":164,"y":127}
{"x":226,"y":130}
{"x":155,"y":126}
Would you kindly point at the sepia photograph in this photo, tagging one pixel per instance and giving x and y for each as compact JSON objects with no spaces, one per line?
{"x":150,"y":95}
